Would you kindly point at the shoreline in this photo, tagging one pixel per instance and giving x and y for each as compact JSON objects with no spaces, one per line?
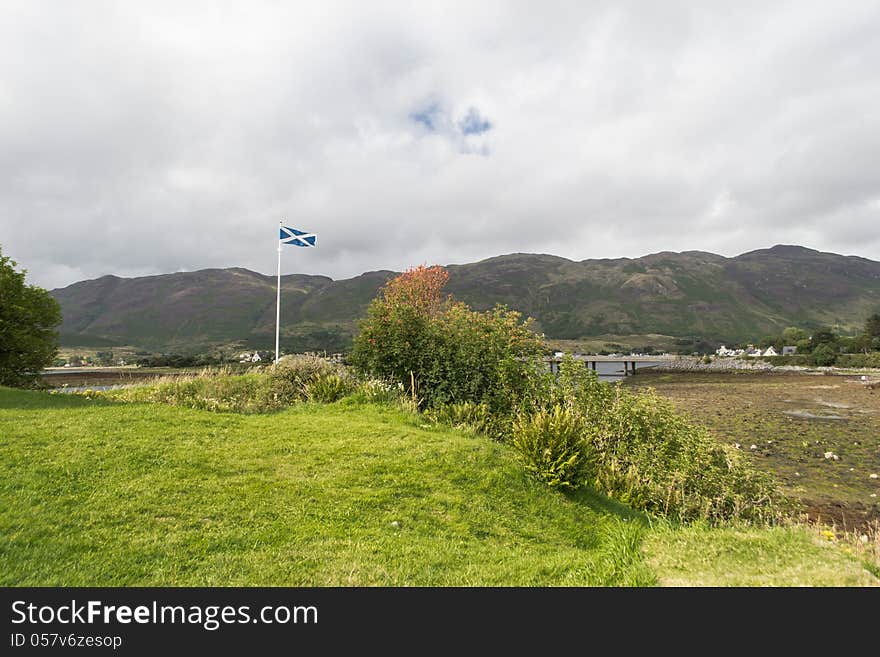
{"x":735,"y":365}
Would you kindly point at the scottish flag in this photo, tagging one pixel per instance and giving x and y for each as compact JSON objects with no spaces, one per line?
{"x":296,"y":237}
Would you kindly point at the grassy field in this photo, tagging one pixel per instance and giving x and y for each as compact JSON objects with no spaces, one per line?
{"x":797,"y":424}
{"x":102,"y":494}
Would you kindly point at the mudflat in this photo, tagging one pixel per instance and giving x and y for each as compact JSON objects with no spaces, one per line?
{"x":818,"y":434}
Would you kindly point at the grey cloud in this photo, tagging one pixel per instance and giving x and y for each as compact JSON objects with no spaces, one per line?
{"x":149,"y":138}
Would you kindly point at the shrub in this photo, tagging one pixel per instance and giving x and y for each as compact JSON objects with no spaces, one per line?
{"x":377,"y":391}
{"x":654,"y":459}
{"x":207,"y":390}
{"x":804,"y":360}
{"x":551,"y":445}
{"x":290,"y":377}
{"x":395,"y":338}
{"x":462,"y":415}
{"x":327,"y":388}
{"x":295,"y":379}
{"x":489,"y":358}
{"x":443,"y":352}
{"x":859,"y":360}
{"x":644,"y":454}
{"x":824,"y":355}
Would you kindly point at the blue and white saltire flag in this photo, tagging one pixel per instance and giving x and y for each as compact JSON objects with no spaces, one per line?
{"x":296,"y":237}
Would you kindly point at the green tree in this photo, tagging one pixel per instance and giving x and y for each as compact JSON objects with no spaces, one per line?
{"x":824,"y":355}
{"x":771,"y":341}
{"x":395,"y":340}
{"x":872,"y":328}
{"x":28,"y":317}
{"x":804,"y":346}
{"x":792,"y":335}
{"x":823,"y":335}
{"x":104,"y":357}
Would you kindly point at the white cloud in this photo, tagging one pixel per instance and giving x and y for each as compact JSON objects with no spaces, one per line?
{"x":152,"y":137}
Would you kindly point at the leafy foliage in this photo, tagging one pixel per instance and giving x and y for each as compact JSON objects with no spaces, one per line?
{"x":635,"y":448}
{"x":305,"y":376}
{"x":209,"y":390}
{"x":28,"y":317}
{"x":395,"y":340}
{"x":462,"y":415}
{"x":294,"y":379}
{"x":481,"y":370}
{"x":824,"y":355}
{"x":443,"y":351}
{"x":652,"y":458}
{"x":328,"y":388}
{"x":859,"y":360}
{"x":550,"y":443}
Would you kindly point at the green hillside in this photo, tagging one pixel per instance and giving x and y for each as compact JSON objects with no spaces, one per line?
{"x":678,"y":295}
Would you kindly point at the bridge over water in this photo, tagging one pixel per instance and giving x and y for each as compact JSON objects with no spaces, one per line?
{"x":630,"y":363}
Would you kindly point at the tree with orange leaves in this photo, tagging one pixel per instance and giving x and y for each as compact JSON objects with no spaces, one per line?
{"x":419,"y":288}
{"x":442,"y":351}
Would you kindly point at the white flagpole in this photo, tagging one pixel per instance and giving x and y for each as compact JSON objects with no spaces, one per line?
{"x":278,"y":295}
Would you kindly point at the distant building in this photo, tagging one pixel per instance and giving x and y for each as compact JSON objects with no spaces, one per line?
{"x":770,"y":352}
{"x":789,"y":351}
{"x":256,"y":357}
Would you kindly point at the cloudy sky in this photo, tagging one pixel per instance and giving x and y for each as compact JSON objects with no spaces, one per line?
{"x":150,"y":137}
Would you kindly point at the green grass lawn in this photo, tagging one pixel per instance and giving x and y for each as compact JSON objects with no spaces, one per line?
{"x":96,"y":493}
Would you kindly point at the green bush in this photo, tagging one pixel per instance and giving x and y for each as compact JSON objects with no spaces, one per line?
{"x":327,"y":388}
{"x":489,"y":358}
{"x":654,"y":459}
{"x":212,"y":391}
{"x":289,"y":379}
{"x":859,"y":360}
{"x":443,"y":352}
{"x":550,"y":443}
{"x":463,"y":415}
{"x":804,"y":360}
{"x":644,"y":454}
{"x":300,"y":378}
{"x":377,"y":391}
{"x":824,"y":355}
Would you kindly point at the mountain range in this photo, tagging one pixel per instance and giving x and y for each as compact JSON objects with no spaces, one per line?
{"x":686,"y":297}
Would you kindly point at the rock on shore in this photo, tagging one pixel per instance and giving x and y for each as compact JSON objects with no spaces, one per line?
{"x":696,"y":364}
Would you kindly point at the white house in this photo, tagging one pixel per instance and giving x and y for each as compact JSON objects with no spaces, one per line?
{"x":256,"y":358}
{"x":770,"y":352}
{"x":788,"y":351}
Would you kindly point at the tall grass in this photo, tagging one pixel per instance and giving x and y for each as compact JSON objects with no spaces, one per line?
{"x":260,"y":390}
{"x":211,"y":389}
